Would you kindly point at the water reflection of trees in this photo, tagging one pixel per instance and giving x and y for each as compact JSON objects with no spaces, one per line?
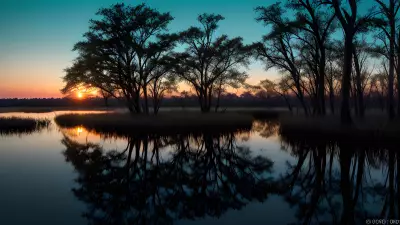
{"x":204,"y":175}
{"x":266,"y":128}
{"x":332,"y":183}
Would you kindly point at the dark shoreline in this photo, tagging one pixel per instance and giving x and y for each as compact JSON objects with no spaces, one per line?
{"x":15,"y":125}
{"x":371,"y":130}
{"x":164,"y":123}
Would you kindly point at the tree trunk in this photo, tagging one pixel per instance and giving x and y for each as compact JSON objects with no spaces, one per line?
{"x":398,"y":76}
{"x":218,"y":97}
{"x":358,"y":90}
{"x":315,"y":103}
{"x":209,"y":99}
{"x":332,"y":98}
{"x":105,"y":101}
{"x":200,"y":98}
{"x":130,"y":108}
{"x":135,"y":102}
{"x":346,"y":80}
{"x":132,"y":104}
{"x":218,"y":100}
{"x":301,"y":97}
{"x":356,"y":106}
{"x":391,"y":66}
{"x":146,"y":101}
{"x":321,"y":83}
{"x":156,"y":104}
{"x":287,"y":103}
{"x":205,"y":100}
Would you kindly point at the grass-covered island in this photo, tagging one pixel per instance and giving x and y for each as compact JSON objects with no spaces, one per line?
{"x":16,"y":125}
{"x":166,"y":122}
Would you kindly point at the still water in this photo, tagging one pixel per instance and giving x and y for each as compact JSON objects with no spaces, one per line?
{"x":75,"y":176}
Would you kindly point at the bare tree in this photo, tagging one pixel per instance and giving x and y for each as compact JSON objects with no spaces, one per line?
{"x":363,"y":70}
{"x":388,"y":13}
{"x":333,"y":73}
{"x":281,"y":88}
{"x":318,"y":24}
{"x":379,"y":86}
{"x":159,"y":86}
{"x":234,"y":79}
{"x":352,"y":24}
{"x":397,"y":46}
{"x":209,"y":59}
{"x":278,"y":47}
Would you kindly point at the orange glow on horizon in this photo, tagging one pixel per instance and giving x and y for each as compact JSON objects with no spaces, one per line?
{"x":23,"y":88}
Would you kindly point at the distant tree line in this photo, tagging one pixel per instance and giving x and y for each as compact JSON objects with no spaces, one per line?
{"x":247,"y":99}
{"x":325,"y":50}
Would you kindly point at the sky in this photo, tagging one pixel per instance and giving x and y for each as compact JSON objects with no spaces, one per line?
{"x":37,"y":36}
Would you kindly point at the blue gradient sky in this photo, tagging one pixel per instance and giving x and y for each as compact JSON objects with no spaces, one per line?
{"x":36,"y":36}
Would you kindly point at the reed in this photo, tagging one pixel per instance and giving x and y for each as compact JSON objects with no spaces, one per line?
{"x":16,"y":125}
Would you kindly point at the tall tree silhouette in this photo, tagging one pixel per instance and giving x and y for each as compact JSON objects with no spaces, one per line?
{"x":351,"y":23}
{"x":388,"y":13}
{"x":159,"y":86}
{"x":209,"y":59}
{"x":318,"y":23}
{"x":278,"y":47}
{"x":362,"y":73}
{"x":126,"y":49}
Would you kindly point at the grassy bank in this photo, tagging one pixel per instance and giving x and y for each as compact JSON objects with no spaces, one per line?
{"x":15,"y":125}
{"x":48,"y":109}
{"x":167,"y":122}
{"x":373,"y":128}
{"x":256,"y":112}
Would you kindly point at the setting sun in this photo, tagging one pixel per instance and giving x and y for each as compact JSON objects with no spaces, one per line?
{"x":79,"y":130}
{"x":80,"y":95}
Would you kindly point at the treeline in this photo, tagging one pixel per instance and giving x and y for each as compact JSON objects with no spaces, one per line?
{"x":129,"y":54}
{"x":329,"y":49}
{"x":191,"y":101}
{"x":326,"y":51}
{"x":227,"y":100}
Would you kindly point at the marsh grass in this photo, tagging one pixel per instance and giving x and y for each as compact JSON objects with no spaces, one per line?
{"x":17,"y":125}
{"x":53,"y":109}
{"x":373,"y":128}
{"x":167,"y":122}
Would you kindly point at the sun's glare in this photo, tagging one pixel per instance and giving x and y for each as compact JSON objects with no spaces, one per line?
{"x":80,"y":95}
{"x":79,"y":130}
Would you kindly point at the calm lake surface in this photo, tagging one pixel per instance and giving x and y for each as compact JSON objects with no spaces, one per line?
{"x":74,"y":176}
